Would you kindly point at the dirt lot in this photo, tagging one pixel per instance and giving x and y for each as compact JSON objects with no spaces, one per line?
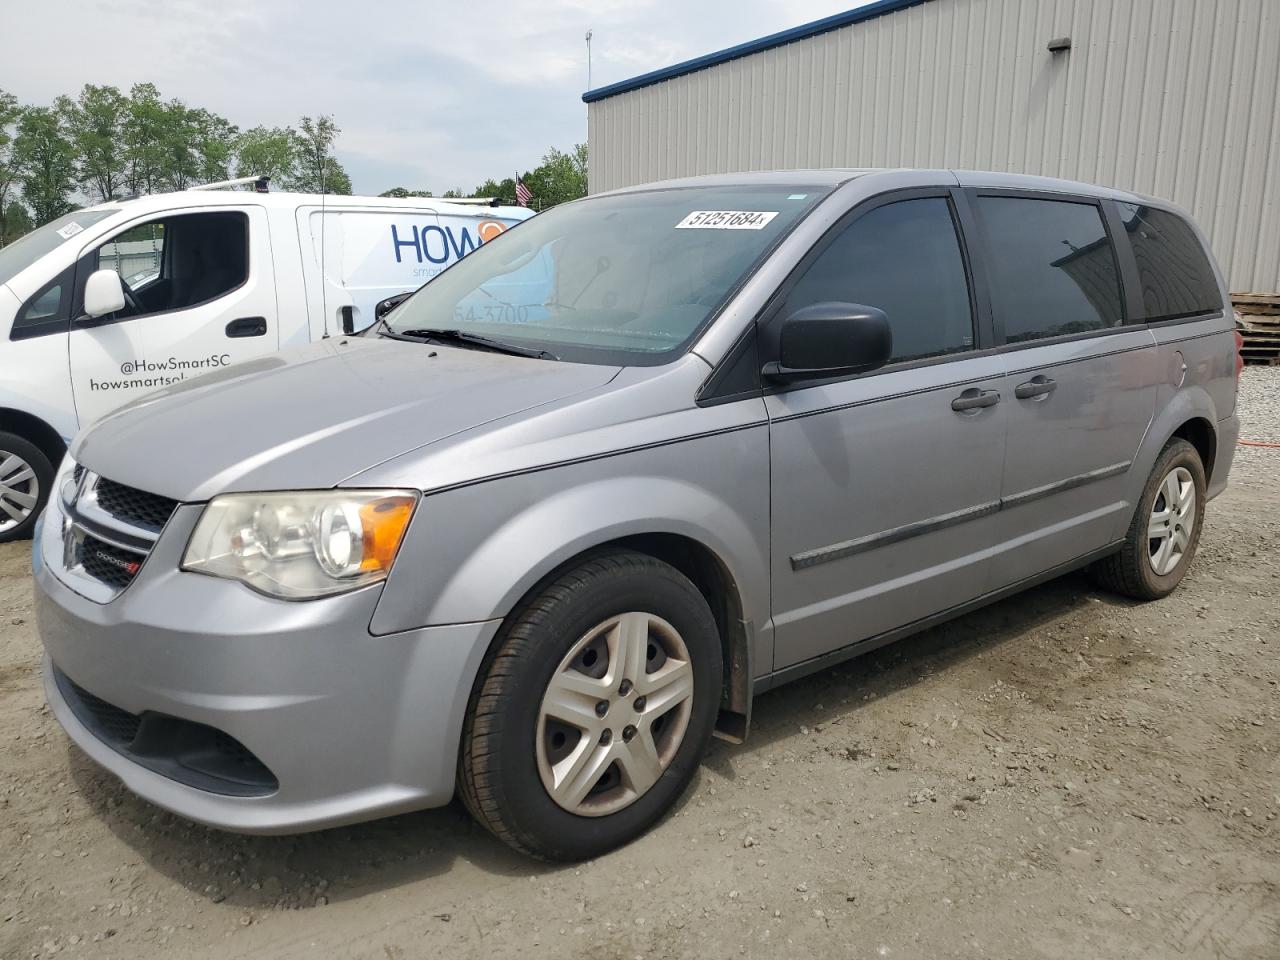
{"x":1064,"y":774}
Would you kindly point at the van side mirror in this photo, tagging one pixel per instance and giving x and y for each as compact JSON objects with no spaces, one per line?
{"x":831,"y":340}
{"x":103,"y":293}
{"x":383,"y":307}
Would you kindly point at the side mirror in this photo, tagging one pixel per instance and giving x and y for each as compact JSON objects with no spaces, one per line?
{"x":831,"y":340}
{"x":383,"y":307}
{"x":103,"y":293}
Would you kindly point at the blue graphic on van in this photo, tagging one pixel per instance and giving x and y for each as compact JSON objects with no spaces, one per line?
{"x":442,"y":244}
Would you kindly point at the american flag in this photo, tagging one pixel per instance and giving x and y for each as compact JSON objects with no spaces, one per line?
{"x":523,"y":194}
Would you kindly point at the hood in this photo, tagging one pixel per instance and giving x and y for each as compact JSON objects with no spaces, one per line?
{"x":312,"y":417}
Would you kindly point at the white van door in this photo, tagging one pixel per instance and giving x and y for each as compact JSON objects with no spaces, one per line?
{"x":369,"y":255}
{"x":200,"y":291}
{"x":350,"y":260}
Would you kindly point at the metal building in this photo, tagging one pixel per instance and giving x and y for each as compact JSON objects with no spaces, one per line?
{"x":1174,"y":98}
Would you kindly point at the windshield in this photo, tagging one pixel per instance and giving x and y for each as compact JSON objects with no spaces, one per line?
{"x":624,"y":279}
{"x":30,"y":247}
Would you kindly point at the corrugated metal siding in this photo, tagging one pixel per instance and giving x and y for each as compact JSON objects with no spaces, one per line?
{"x":1174,"y":98}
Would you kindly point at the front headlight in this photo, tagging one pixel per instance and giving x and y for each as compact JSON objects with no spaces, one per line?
{"x":301,"y":545}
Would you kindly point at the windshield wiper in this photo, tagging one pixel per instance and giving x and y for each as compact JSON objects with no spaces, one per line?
{"x":469,"y":339}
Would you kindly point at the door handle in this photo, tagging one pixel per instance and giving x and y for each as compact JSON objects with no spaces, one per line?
{"x":1035,"y":388}
{"x":975,"y":399}
{"x":247,"y":327}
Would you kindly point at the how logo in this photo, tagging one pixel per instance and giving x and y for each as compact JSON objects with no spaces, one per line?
{"x":488,"y":229}
{"x":442,"y":244}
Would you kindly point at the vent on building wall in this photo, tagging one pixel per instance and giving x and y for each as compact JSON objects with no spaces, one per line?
{"x":1060,"y":44}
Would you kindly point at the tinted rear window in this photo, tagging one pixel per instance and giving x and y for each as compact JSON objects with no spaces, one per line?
{"x":1176,"y":276}
{"x":1052,"y":267}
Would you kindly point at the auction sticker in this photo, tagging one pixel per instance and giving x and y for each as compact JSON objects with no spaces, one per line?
{"x":70,"y":230}
{"x":727,"y":220}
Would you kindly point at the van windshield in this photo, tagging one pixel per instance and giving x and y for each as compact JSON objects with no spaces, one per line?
{"x":30,"y":247}
{"x":629,"y":278}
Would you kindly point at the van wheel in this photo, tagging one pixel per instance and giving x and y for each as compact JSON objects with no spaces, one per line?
{"x":25,"y":477}
{"x":595,"y":708}
{"x":1165,"y":531}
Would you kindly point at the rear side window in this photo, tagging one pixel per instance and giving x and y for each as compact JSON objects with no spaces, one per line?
{"x":903,"y":258}
{"x":1053,"y":271}
{"x":1175,"y":273}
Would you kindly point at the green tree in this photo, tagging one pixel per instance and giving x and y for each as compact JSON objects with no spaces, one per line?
{"x":179,"y":155}
{"x":14,"y":222}
{"x":95,"y":123}
{"x":213,"y":140}
{"x":10,"y":113}
{"x":504,"y":190}
{"x":139,"y":143}
{"x":560,"y":177}
{"x":267,"y":152}
{"x":316,"y":170}
{"x":402,"y":193}
{"x":145,"y":144}
{"x":45,"y":159}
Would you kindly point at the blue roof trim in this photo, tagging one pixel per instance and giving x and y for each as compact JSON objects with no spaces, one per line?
{"x":833,"y":22}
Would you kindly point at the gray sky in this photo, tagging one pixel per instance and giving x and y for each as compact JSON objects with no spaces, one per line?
{"x":428,"y":94}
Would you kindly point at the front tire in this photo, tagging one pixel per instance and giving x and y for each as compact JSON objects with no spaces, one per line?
{"x":1162,"y":538}
{"x":594,"y":710}
{"x":25,"y":478}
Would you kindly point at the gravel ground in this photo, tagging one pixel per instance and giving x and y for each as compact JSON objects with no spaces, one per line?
{"x":1063,"y":774}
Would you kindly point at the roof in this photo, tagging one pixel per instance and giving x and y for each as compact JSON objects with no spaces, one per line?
{"x":836,"y":176}
{"x":834,"y":22}
{"x":332,"y":201}
{"x":825,"y":177}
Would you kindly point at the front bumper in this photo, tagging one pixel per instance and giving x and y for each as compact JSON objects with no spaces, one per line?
{"x":352,"y":726}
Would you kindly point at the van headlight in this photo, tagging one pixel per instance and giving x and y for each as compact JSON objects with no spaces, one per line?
{"x":302,"y":545}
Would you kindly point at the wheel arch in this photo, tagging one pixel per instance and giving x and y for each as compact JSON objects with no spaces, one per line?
{"x":712,"y":577}
{"x":714,"y":580}
{"x":36,"y":431}
{"x":1200,"y":433}
{"x":1189,"y":415}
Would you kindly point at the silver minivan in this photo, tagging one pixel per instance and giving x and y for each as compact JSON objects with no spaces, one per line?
{"x":630,"y":463}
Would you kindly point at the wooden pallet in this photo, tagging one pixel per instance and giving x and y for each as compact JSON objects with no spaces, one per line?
{"x":1260,"y":321}
{"x":1261,"y":341}
{"x":1257,"y":305}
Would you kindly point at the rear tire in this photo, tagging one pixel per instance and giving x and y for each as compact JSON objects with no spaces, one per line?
{"x":1141,"y":570}
{"x":625,"y":649}
{"x":25,"y":478}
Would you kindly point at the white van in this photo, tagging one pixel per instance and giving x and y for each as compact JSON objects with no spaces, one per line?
{"x":110,"y":302}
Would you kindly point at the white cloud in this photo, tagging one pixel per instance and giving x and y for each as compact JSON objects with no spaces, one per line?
{"x":427,"y":94}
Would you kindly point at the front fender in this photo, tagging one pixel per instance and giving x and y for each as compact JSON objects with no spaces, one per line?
{"x":471,"y":553}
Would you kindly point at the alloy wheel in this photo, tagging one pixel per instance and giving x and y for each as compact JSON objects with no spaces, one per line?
{"x":19,"y":490}
{"x":614,"y":714}
{"x":1173,"y":518}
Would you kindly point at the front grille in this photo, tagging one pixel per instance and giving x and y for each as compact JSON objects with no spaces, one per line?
{"x":107,"y":562}
{"x":148,"y":510}
{"x":108,"y":531}
{"x":191,"y":753}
